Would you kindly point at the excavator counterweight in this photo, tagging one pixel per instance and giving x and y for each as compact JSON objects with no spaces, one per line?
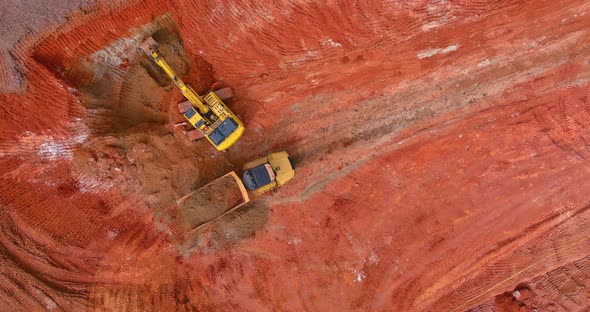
{"x":208,"y":114}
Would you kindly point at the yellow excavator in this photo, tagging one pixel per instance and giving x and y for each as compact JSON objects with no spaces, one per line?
{"x":208,"y":114}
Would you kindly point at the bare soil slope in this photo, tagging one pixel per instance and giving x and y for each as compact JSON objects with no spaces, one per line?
{"x":441,"y":146}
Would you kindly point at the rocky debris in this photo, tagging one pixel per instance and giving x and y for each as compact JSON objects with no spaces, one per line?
{"x":522,"y":294}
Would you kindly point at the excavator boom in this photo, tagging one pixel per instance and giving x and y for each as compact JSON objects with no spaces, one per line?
{"x":187,"y":91}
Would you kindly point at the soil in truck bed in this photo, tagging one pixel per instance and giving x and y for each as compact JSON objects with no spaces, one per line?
{"x":211,"y":201}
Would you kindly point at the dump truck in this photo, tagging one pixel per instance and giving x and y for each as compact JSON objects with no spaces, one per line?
{"x":228,"y":193}
{"x":208,"y":114}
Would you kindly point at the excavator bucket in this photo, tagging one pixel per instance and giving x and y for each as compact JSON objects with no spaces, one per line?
{"x":148,"y":45}
{"x":213,"y":201}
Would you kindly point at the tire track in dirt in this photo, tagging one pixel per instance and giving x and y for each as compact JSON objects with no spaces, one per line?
{"x":574,"y":132}
{"x":561,"y":289}
{"x":328,"y":109}
{"x":505,"y":117}
{"x":387,"y":126}
{"x":459,"y":270}
{"x":562,"y":125}
{"x":513,"y":263}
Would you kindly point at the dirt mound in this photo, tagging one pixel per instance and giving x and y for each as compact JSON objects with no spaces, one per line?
{"x":441,"y":147}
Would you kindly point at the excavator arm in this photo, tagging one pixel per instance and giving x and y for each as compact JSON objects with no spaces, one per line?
{"x":188,"y":92}
{"x":208,"y":114}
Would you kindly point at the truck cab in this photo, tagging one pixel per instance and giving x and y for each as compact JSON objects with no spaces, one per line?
{"x":269,"y":172}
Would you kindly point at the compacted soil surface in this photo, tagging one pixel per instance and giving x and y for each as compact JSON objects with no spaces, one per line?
{"x":442,"y":153}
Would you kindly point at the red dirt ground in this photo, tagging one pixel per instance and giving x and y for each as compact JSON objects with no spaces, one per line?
{"x":442,"y":153}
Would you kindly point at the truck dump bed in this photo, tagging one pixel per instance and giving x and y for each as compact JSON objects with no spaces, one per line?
{"x":213,"y":201}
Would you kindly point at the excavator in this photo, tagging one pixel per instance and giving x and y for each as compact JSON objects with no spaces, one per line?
{"x":207,"y":114}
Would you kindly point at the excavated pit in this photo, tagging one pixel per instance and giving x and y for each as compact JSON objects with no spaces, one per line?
{"x":129,"y":110}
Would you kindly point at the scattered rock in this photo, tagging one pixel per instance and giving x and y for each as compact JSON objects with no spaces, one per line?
{"x":216,"y":85}
{"x":522,"y":294}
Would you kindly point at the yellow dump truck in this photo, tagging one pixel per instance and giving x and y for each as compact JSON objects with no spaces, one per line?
{"x":227,"y":193}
